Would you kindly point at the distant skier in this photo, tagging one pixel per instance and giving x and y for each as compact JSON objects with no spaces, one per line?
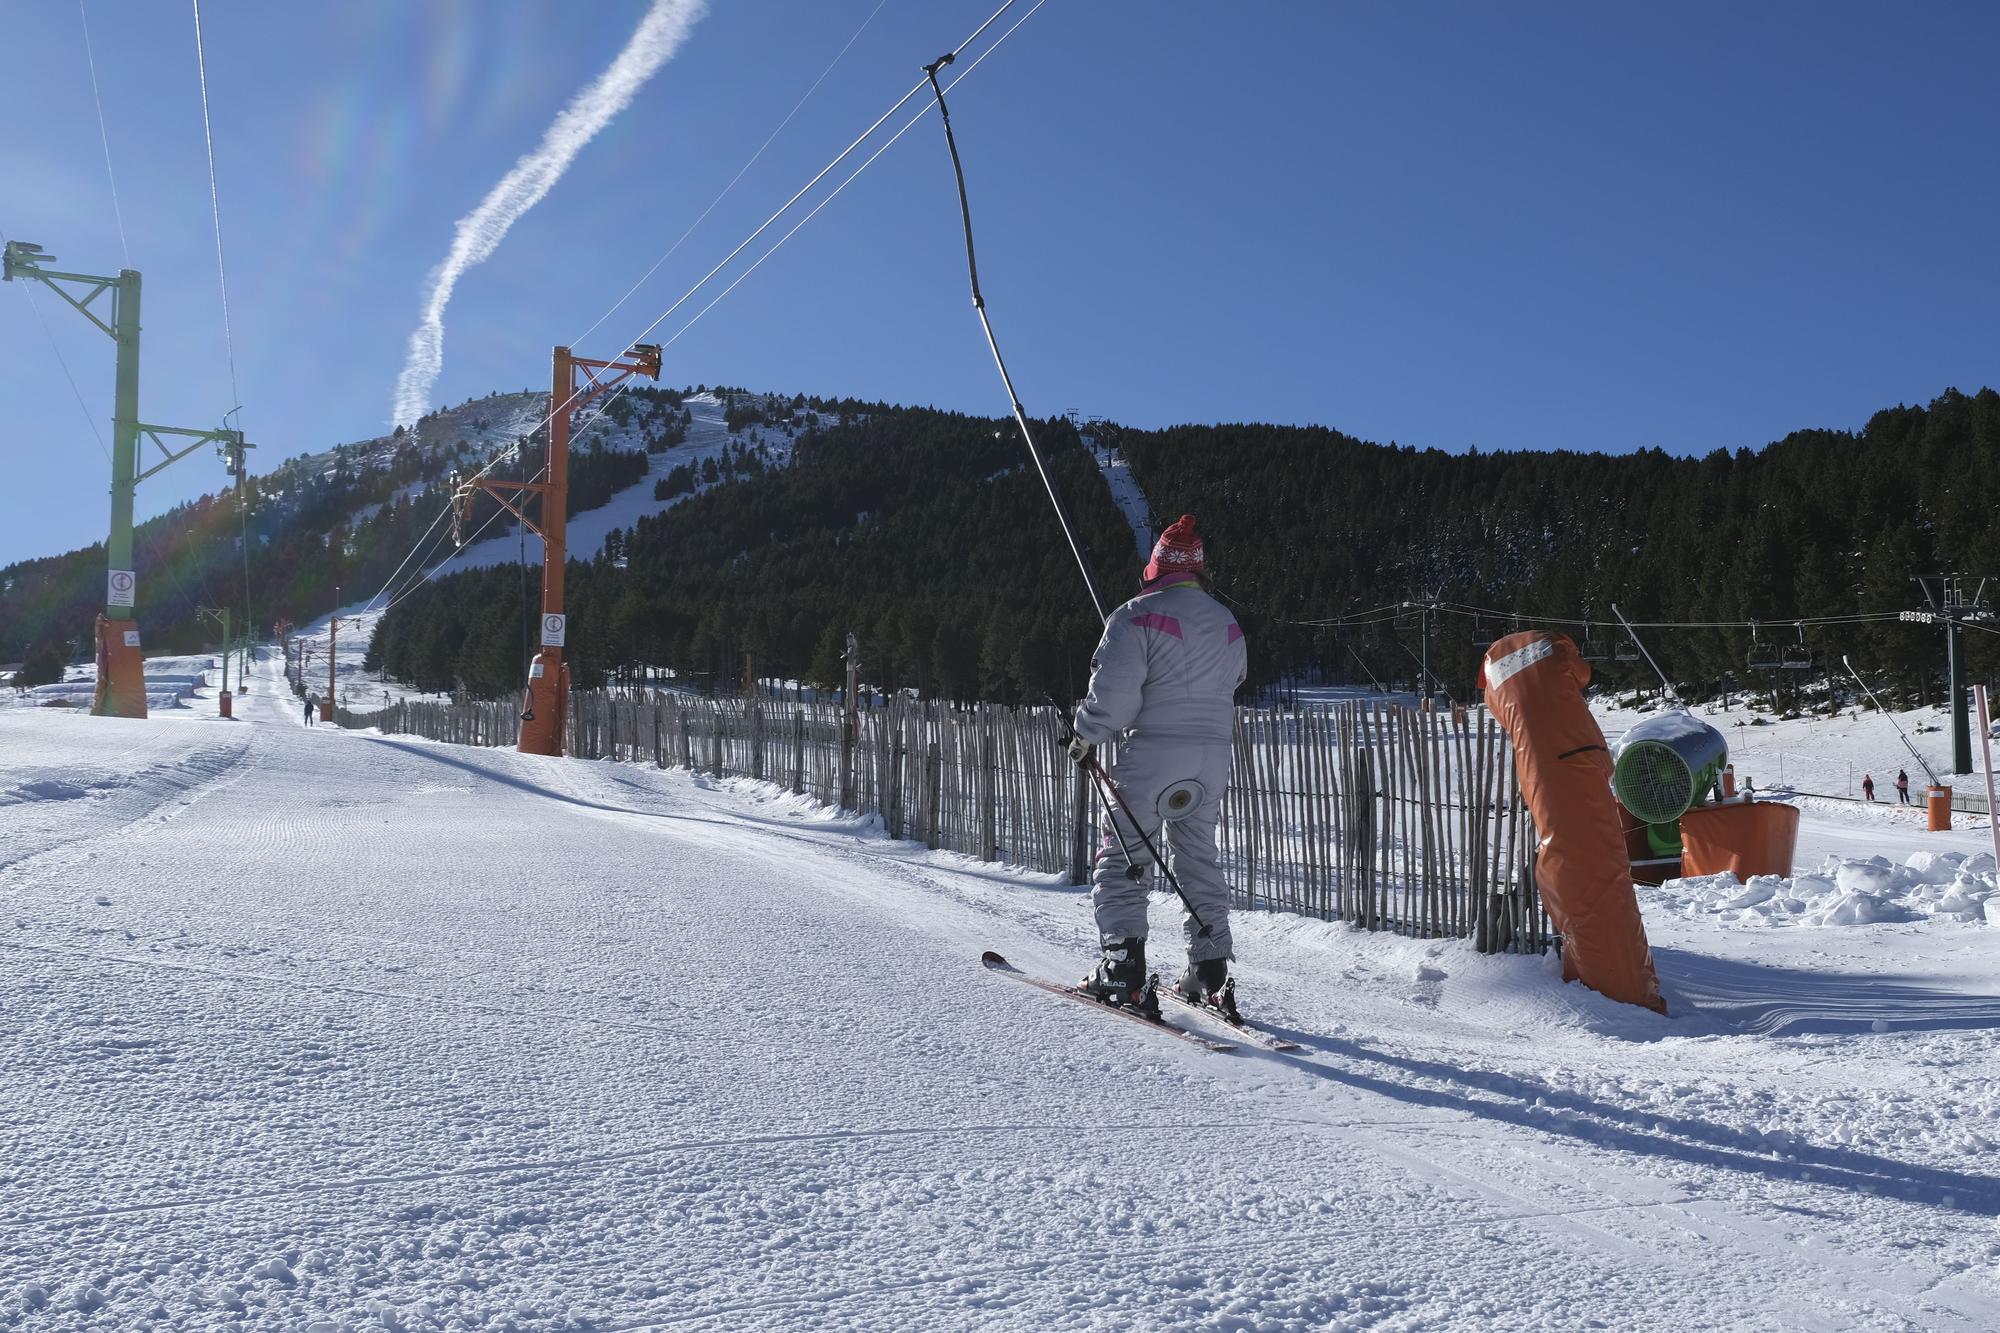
{"x":312,"y":708}
{"x":1867,"y":787}
{"x":1903,"y":786}
{"x":1163,"y":681}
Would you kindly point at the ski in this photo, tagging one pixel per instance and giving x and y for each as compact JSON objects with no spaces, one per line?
{"x":1251,"y":1033}
{"x":995,"y":963}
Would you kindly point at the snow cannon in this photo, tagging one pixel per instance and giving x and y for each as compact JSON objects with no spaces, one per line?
{"x":1667,"y":764}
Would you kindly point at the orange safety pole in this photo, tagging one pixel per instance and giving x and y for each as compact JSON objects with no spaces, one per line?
{"x":1986,"y":759}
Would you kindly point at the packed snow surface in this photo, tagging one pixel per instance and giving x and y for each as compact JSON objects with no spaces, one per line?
{"x":313,"y":1029}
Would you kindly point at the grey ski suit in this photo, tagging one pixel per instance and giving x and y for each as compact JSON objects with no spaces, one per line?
{"x":1163,"y":681}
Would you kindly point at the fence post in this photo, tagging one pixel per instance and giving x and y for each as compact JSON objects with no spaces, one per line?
{"x":798,"y":750}
{"x":933,"y":792}
{"x":894,"y":804}
{"x":989,"y":801}
{"x":851,"y":724}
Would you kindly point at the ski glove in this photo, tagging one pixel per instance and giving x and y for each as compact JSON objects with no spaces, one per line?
{"x":1080,"y":750}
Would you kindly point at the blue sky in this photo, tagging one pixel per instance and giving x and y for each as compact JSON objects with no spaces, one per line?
{"x":1506,"y":226}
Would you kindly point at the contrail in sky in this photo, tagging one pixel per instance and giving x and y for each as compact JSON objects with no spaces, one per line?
{"x":653,"y":43}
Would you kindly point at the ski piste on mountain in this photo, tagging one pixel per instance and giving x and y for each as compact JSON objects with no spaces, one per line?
{"x":997,"y":964}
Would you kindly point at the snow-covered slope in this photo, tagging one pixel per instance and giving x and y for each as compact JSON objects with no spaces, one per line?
{"x":315,"y":1029}
{"x":1825,"y":755}
{"x":1125,"y":492}
{"x":477,"y":427}
{"x":708,"y":437}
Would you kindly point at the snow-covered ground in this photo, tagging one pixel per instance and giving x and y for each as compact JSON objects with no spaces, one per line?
{"x":1827,"y":756}
{"x":311,"y":1029}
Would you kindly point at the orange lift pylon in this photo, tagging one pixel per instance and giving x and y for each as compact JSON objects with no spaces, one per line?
{"x":544,"y":718}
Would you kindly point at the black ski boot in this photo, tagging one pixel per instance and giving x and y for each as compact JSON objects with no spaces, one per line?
{"x":1209,"y":984}
{"x":1121,"y":978}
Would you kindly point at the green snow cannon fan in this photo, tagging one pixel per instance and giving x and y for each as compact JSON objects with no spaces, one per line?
{"x":1663,"y":766}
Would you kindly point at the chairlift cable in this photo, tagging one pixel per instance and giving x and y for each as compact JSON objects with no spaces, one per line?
{"x":103,"y":135}
{"x":741,"y":171}
{"x":240,"y":466}
{"x":836,"y":191}
{"x":28,"y":290}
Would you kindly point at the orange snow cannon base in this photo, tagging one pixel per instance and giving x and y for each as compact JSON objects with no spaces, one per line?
{"x":1534,"y":685}
{"x":1743,"y":837}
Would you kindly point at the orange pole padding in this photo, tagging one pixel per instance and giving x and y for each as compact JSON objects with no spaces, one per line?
{"x":1744,"y":838}
{"x":121,"y":670}
{"x":222,"y":703}
{"x":1937,"y":809}
{"x":1534,"y":686}
{"x":544,"y":721}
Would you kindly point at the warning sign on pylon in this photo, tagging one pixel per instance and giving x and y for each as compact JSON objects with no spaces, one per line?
{"x":119,"y":590}
{"x":553,"y":628}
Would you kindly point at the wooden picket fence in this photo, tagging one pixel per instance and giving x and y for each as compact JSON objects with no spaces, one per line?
{"x":1366,"y":812}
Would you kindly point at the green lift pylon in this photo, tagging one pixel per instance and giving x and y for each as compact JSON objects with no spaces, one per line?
{"x":121,"y":668}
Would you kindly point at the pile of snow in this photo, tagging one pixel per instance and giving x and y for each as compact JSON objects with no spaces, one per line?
{"x":1844,"y":891}
{"x":170,"y":683}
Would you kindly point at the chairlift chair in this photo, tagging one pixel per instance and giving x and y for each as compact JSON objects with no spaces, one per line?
{"x":1762,"y":656}
{"x":1796,"y":656}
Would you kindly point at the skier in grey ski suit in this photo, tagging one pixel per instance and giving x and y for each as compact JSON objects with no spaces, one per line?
{"x":1163,"y":682}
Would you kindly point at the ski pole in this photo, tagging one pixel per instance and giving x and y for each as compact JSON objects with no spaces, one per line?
{"x":1096,"y":770}
{"x":1133,"y":870}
